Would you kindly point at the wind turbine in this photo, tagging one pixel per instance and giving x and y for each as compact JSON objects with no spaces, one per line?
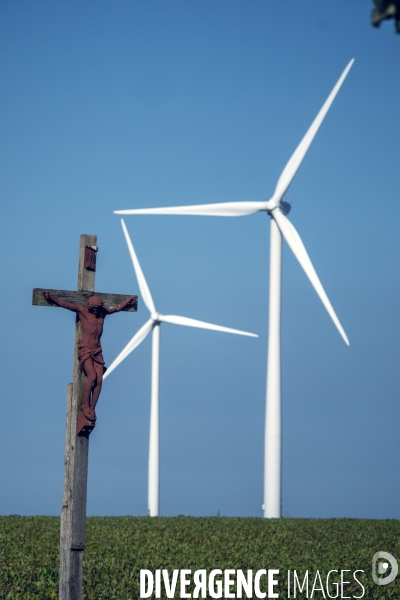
{"x":280,"y":226}
{"x":154,"y":324}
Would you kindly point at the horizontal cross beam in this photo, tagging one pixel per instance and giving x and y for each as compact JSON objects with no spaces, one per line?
{"x":81,"y":298}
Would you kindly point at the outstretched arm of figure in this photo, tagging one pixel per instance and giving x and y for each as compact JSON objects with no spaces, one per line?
{"x":118,"y":307}
{"x":52,"y":299}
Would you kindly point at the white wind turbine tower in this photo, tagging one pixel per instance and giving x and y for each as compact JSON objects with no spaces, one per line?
{"x":280,"y":226}
{"x":154,"y":324}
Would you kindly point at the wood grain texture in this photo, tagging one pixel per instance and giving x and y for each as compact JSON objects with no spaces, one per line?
{"x":79,"y":494}
{"x":65,"y":528}
{"x":73,"y":513}
{"x":82,"y":297}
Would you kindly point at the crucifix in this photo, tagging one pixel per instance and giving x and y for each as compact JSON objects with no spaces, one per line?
{"x":82,"y":395}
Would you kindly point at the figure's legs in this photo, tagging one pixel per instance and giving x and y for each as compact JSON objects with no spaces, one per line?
{"x":91,"y":377}
{"x":97,"y":386}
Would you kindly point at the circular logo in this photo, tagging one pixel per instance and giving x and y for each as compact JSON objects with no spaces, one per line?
{"x":380,"y":565}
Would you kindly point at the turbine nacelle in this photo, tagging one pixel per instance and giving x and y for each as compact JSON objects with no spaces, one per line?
{"x":285,"y":207}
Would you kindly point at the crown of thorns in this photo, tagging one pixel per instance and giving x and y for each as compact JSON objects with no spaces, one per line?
{"x":94,"y":302}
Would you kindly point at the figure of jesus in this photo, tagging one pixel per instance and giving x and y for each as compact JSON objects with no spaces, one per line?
{"x":90,"y":353}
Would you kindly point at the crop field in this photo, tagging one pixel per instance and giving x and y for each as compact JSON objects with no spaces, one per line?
{"x":119,"y":547}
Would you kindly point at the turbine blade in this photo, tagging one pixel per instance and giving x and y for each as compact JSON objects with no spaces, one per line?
{"x":175,"y":320}
{"x":134,"y":343}
{"x":222,"y":209}
{"x":296,"y":245}
{"x":296,"y":159}
{"x":144,"y":288}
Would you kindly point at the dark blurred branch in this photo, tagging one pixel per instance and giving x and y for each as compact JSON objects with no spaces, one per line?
{"x":386,"y":9}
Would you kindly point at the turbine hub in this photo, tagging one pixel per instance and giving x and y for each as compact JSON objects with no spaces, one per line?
{"x":154,"y":316}
{"x":271,"y":204}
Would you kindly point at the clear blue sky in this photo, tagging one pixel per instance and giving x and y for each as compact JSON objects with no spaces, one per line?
{"x":112,"y":105}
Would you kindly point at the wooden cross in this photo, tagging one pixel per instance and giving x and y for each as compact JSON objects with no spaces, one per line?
{"x":73,"y":512}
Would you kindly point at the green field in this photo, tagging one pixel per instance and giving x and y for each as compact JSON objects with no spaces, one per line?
{"x":118,"y":547}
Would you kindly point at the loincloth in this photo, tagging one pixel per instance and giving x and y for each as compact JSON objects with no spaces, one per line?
{"x":94,"y":353}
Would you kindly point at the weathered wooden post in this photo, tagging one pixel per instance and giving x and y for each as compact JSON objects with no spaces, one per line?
{"x":79,"y":426}
{"x":73,"y":511}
